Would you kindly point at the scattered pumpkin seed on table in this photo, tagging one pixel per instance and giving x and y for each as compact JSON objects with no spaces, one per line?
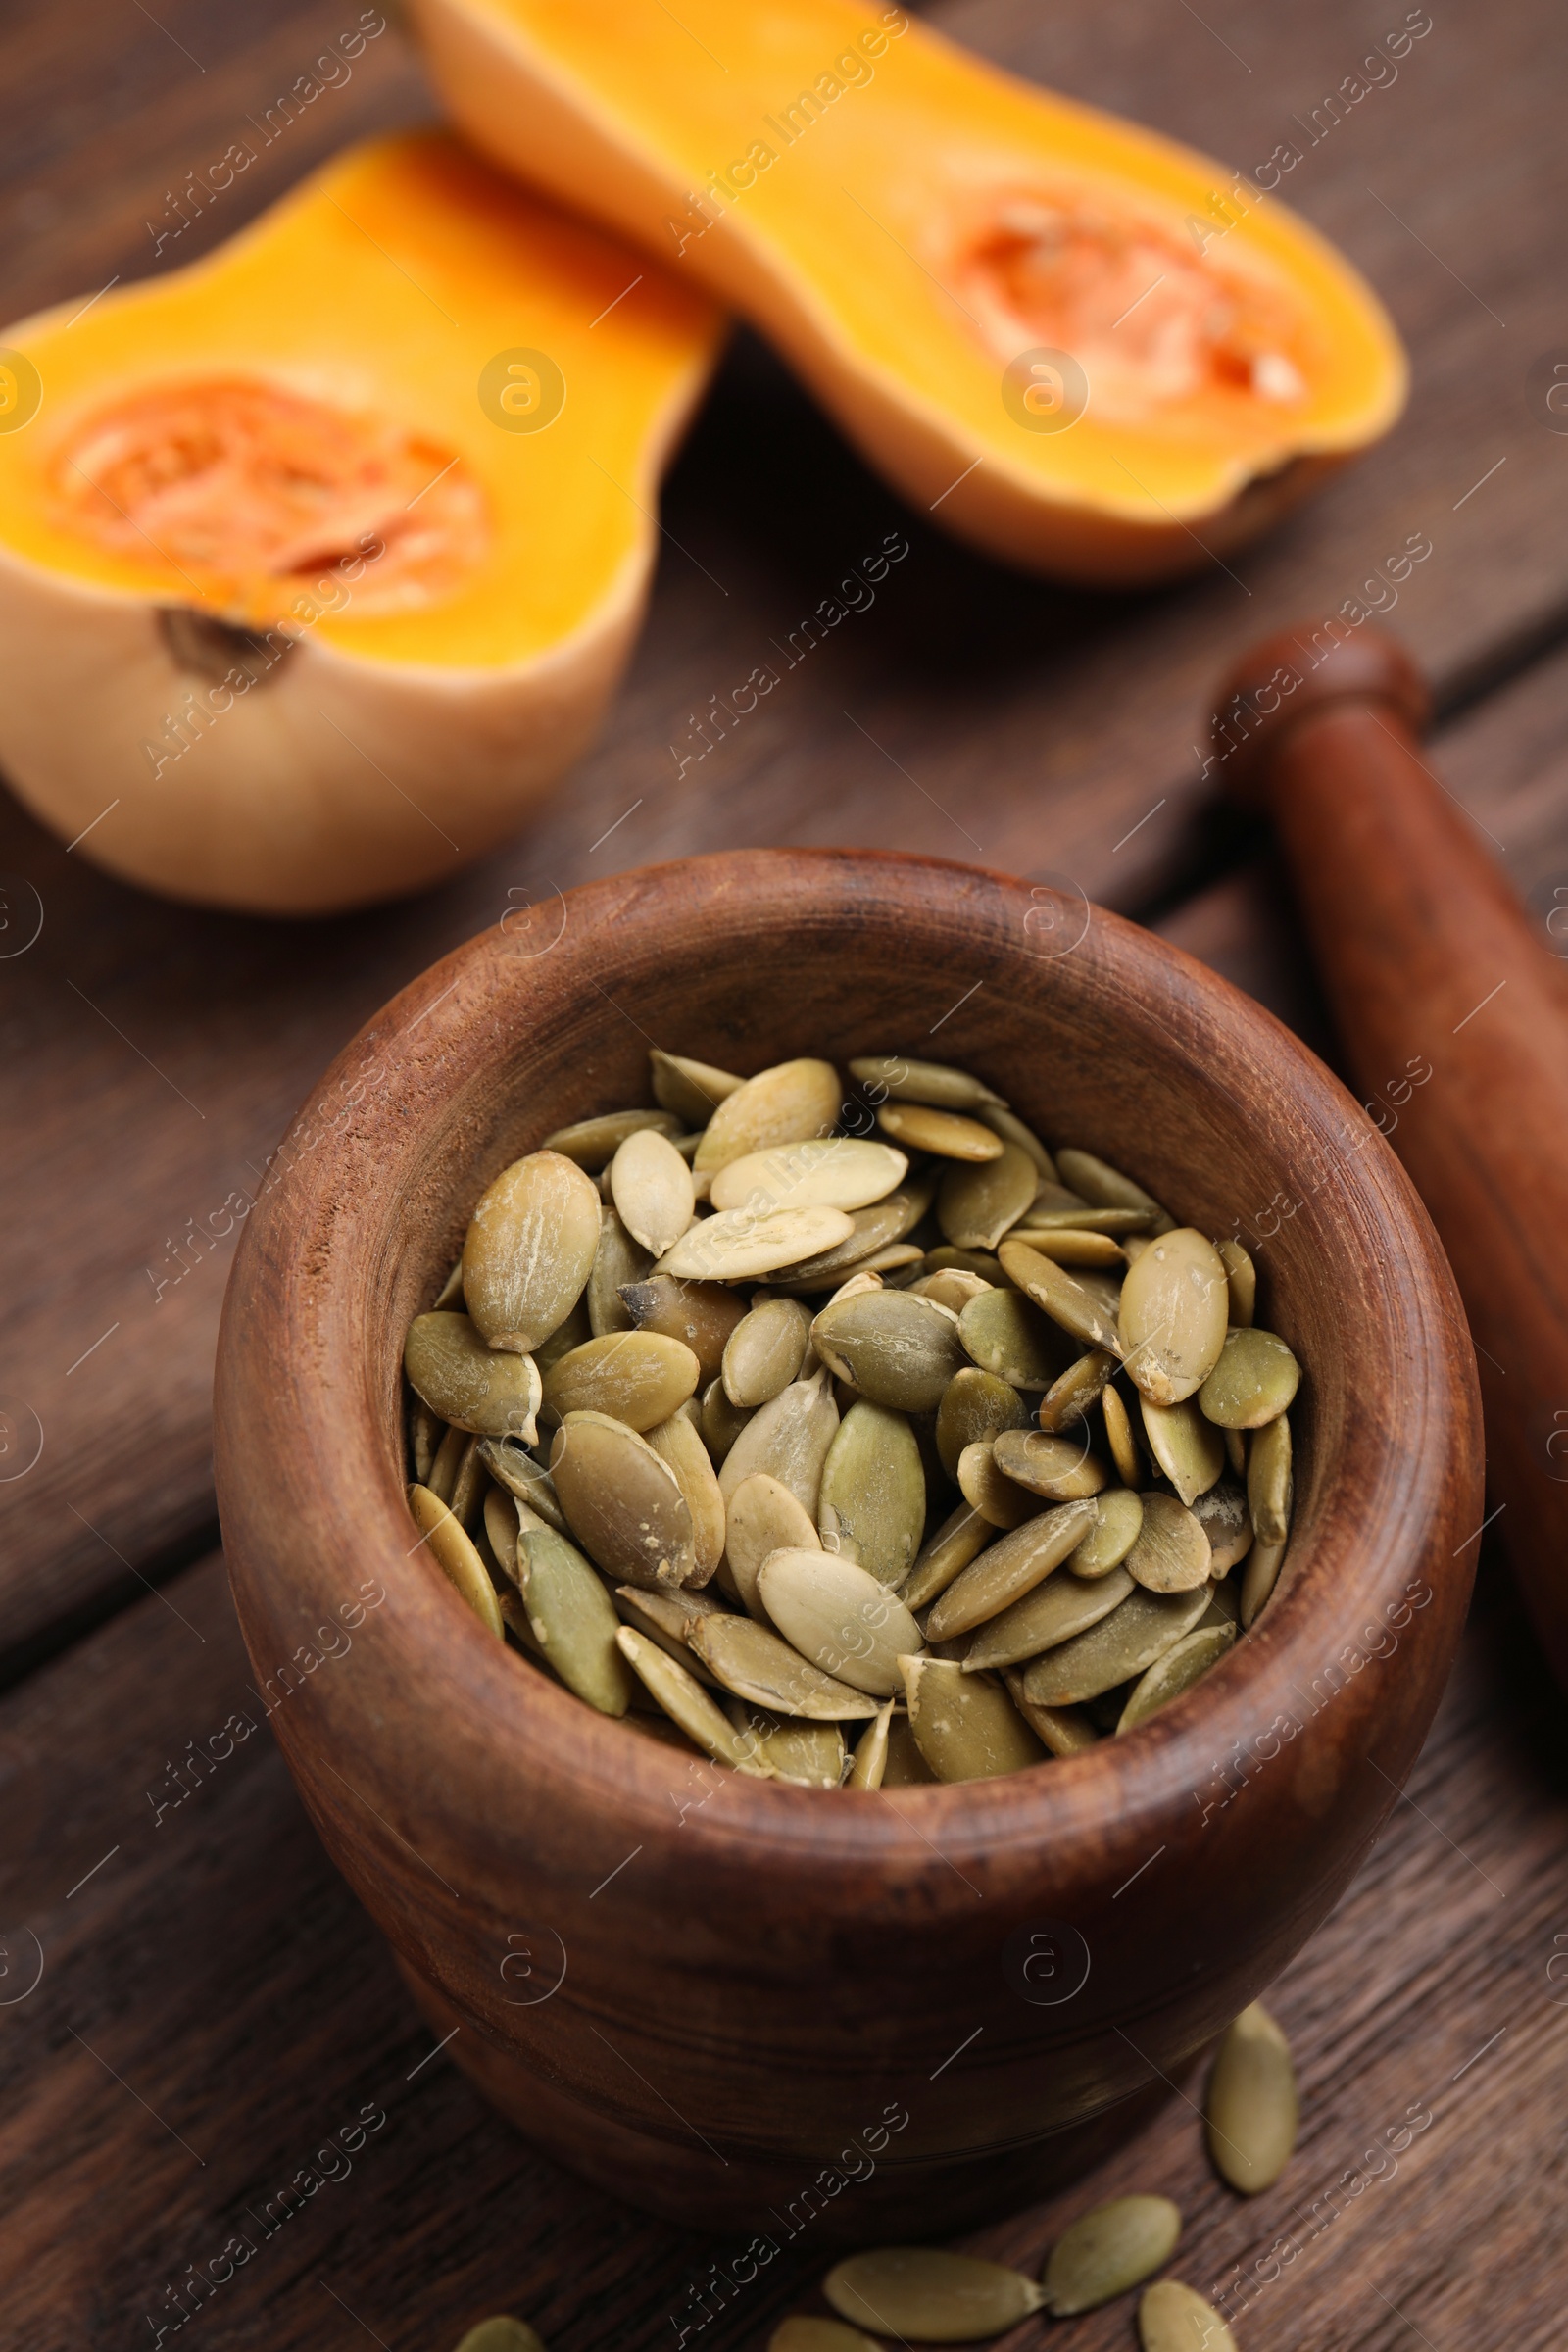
{"x":858,"y":1460}
{"x":1104,"y":2253}
{"x":928,"y":2296}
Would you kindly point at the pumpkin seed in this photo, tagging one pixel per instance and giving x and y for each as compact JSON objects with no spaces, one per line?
{"x":651,"y":1186}
{"x":467,"y":1488}
{"x":1053,"y":1197}
{"x":448,"y":1462}
{"x":785,"y":1105}
{"x":977,"y":1203}
{"x":638,"y":1377}
{"x":1251,"y":2108}
{"x":591,"y":1144}
{"x":679,"y":1447}
{"x":762,"y":1517}
{"x":1062,"y":1469}
{"x":1104,"y":2253}
{"x":1240,"y":1276}
{"x":1223,"y":1517}
{"x":765,"y":1350}
{"x":1118,"y":1649}
{"x":751,"y":1660}
{"x":1006,"y":1570}
{"x":897,"y":1078}
{"x":1057,"y":1609}
{"x":928,"y":2296}
{"x":1170,"y":1553}
{"x":1176,"y":1672}
{"x":618,"y":1262}
{"x":812,"y":1755}
{"x":951,"y":1287}
{"x":664,"y":1616}
{"x":906,"y":1767}
{"x":1106,"y":1187}
{"x":787,"y":1438}
{"x":692,"y":1090}
{"x":503,"y":1522}
{"x":529,"y":1250}
{"x":896,"y":1257}
{"x":976,"y":1405}
{"x":454,"y":1556}
{"x":1173,"y":2318}
{"x":1253,"y":1381}
{"x":1133,"y":1244}
{"x":1269,"y":1484}
{"x":687,"y":1703}
{"x":1224,"y":1604}
{"x":474,"y":1388}
{"x":966,"y":1727}
{"x":701,"y":1314}
{"x":1002,"y":1332}
{"x":621,"y":1503}
{"x":513,"y":1467}
{"x":578,"y":1328}
{"x":969,"y":1261}
{"x":832,"y":1171}
{"x":426,"y":1432}
{"x":1064,"y":1731}
{"x":450,"y":1293}
{"x":838,"y":1616}
{"x":736,"y":1247}
{"x":1261,"y":1575}
{"x":894,"y":1347}
{"x":574,"y":1619}
{"x":945,"y":1133}
{"x":1172,"y":1320}
{"x":1119,"y":1517}
{"x":1083,"y":1303}
{"x":1186,"y":1447}
{"x":1013,"y":1131}
{"x":1119,"y":1437}
{"x":1073,"y":1244}
{"x":505,"y":2336}
{"x":722,"y":1422}
{"x":983,"y":1487}
{"x":871,"y":1505}
{"x":870,"y":1756}
{"x":962,"y":1536}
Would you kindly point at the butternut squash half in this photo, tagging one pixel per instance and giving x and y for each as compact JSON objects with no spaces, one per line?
{"x":1084,"y":348}
{"x":319,"y":559}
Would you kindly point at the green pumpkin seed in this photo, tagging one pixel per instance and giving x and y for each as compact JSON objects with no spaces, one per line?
{"x":679,"y":1447}
{"x":976,"y":1405}
{"x":898,"y":1257}
{"x":736,"y":1247}
{"x":966,"y":1727}
{"x":1224,"y":1604}
{"x":1176,"y":1672}
{"x":1005,"y":1335}
{"x":1013,"y":1131}
{"x":701,"y":1314}
{"x":1171,"y":1553}
{"x":977,"y":1203}
{"x":906,"y":1767}
{"x":1076,"y":1217}
{"x":426,"y":1432}
{"x":789,"y":1438}
{"x":870,"y":1758}
{"x":1240,"y":1276}
{"x":894,"y":1077}
{"x":618,"y":1262}
{"x":1269,"y":1480}
{"x":895,"y":1349}
{"x":983,"y":1487}
{"x":1082,"y":1303}
{"x":506,"y":2335}
{"x":872,"y":1231}
{"x":1259,"y":1580}
{"x":762,"y":1517}
{"x":1186,"y":1447}
{"x":481,"y":1390}
{"x":951,"y":1287}
{"x":691,"y":1090}
{"x":1120,"y":1648}
{"x":454,"y":1554}
{"x":1059,"y":1608}
{"x":1104,"y":2253}
{"x":1120,"y":1516}
{"x":765,"y":1350}
{"x":871,"y":1505}
{"x":962,"y":1536}
{"x":839,"y":1617}
{"x":1251,"y":2108}
{"x":751,"y":1660}
{"x":1106,"y":1187}
{"x":1172,"y":1320}
{"x":810,"y":1755}
{"x":1071,"y":1246}
{"x":945,"y":1134}
{"x":1124,"y":1452}
{"x":1062,"y":1469}
{"x":638,"y":1377}
{"x":591,"y":1144}
{"x":1222,"y":1514}
{"x":1253,"y":1381}
{"x":970,"y":1261}
{"x":687,"y":1703}
{"x":530,"y":1249}
{"x":785,"y":1105}
{"x":1011,"y":1567}
{"x":1173,"y":2318}
{"x":722,"y":1422}
{"x":833,"y":1171}
{"x":664,"y":1616}
{"x":574,"y":1619}
{"x":621,"y":1503}
{"x":651,"y":1186}
{"x":1064,"y":1731}
{"x":927,"y":2296}
{"x":502,"y":1523}
{"x":469,"y":1487}
{"x":448,"y":1462}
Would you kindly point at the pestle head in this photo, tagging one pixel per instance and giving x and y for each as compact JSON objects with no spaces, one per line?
{"x":1286,"y":680}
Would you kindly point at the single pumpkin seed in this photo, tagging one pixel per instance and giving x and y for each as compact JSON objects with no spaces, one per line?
{"x":574,"y":1619}
{"x":896,"y":1077}
{"x":621,"y":1503}
{"x":1120,"y":1648}
{"x":577,"y":1329}
{"x":871,"y":1507}
{"x":983,"y":1487}
{"x":928,"y":2296}
{"x":454,"y":1554}
{"x":977,"y":1203}
{"x":1062,"y":1469}
{"x":687,"y":1703}
{"x":1269,"y":1480}
{"x":951,"y":1287}
{"x":474,"y":1388}
{"x":976,"y":1405}
{"x":722,"y":1422}
{"x":1064,"y":1731}
{"x":664,"y":1617}
{"x":502,"y":2335}
{"x":787,"y":1438}
{"x":736,"y":1247}
{"x":1224,"y":1604}
{"x":784,"y":1104}
{"x":1119,"y":1517}
{"x":810,"y":1755}
{"x":1053,"y":1196}
{"x":1124,"y":1449}
{"x":1223,"y":1516}
{"x":1240,"y":1276}
{"x":803,"y":2332}
{"x":752,"y":1661}
{"x":638,"y":1377}
{"x":1253,"y":1381}
{"x":762,"y":1517}
{"x":873,"y":1231}
{"x":530,"y":1249}
{"x":1168,"y":1677}
{"x":945,"y":1133}
{"x":618,"y":1261}
{"x":1011,"y":1130}
{"x":447,"y":1463}
{"x":466,"y":1499}
{"x":838,"y":1616}
{"x":965,"y":1726}
{"x":1186,"y":1447}
{"x":651,"y":1186}
{"x":1173,"y":2318}
{"x":1106,"y":1187}
{"x":426,"y":1432}
{"x":679,"y":1447}
{"x":830,"y":1171}
{"x":1084,"y":1304}
{"x":765,"y":1350}
{"x":1172,"y":1319}
{"x":502,"y":1523}
{"x":962,"y":1536}
{"x":1071,"y":1245}
{"x":897,"y":1257}
{"x":969,"y":1261}
{"x":906,"y":1767}
{"x":1251,"y":2108}
{"x":1105,"y":2252}
{"x":1006,"y":1570}
{"x":1005,"y":1333}
{"x":1171,"y":1552}
{"x":895,"y":1349}
{"x":1259,"y":1580}
{"x":870,"y":1756}
{"x":593,"y":1143}
{"x":701,"y":1314}
{"x":692,"y":1090}
{"x":1059,"y":1608}
{"x":511,"y":1463}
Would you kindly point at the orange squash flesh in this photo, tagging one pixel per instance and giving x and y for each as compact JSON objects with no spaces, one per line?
{"x":1087,"y":349}
{"x":319,"y":559}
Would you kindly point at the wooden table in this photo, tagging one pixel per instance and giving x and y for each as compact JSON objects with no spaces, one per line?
{"x":211,"y":2007}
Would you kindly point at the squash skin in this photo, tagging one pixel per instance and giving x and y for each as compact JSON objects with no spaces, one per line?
{"x":534,"y":96}
{"x":378,"y":753}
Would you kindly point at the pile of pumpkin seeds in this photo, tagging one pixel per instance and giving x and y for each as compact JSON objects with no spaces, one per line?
{"x":845,"y":1433}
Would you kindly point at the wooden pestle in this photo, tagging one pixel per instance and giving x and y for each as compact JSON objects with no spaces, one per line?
{"x":1427,"y":959}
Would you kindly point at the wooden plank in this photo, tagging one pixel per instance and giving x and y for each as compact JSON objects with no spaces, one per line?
{"x":214,"y":2010}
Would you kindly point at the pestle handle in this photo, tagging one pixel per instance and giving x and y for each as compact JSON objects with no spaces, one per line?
{"x":1430,"y":964}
